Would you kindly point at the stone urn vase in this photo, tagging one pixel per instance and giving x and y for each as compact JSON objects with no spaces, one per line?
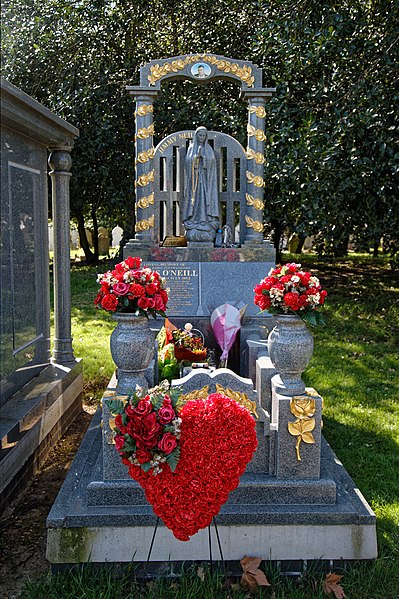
{"x":132,"y":349}
{"x":290,"y":346}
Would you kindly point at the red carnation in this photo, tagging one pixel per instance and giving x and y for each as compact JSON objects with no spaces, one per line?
{"x":143,"y":303}
{"x":291,"y":300}
{"x":109,"y":302}
{"x":133,"y":262}
{"x":136,"y":290}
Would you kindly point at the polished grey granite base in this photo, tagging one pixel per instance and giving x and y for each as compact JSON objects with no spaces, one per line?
{"x":110,"y":521}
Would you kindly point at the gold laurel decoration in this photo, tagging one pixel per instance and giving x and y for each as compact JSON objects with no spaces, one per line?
{"x":257,"y":133}
{"x":256,"y":225}
{"x":257,"y":156}
{"x":241,"y":398}
{"x":258,"y":110}
{"x":255,"y":202}
{"x":144,"y":109}
{"x":144,"y":180}
{"x":244,"y":73}
{"x":145,"y":132}
{"x":145,"y":202}
{"x":144,"y":225}
{"x":303,"y":408}
{"x":257,"y":180}
{"x":196,"y":394}
{"x":144,"y":157}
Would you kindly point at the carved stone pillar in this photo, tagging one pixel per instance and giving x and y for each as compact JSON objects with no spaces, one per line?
{"x":144,"y":160}
{"x":255,"y":169}
{"x":60,"y":162}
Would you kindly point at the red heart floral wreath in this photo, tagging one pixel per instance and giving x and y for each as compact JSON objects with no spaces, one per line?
{"x":187,"y":458}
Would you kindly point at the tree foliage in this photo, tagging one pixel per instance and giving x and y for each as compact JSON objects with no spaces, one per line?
{"x":332,"y":153}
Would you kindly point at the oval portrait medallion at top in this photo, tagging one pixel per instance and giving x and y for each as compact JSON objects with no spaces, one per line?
{"x":200,"y":70}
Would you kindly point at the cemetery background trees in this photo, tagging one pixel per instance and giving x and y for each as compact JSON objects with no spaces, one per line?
{"x":332,"y":150}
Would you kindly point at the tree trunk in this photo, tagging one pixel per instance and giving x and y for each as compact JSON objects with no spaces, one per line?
{"x":300,"y":243}
{"x":375,"y":247}
{"x":277,"y":233}
{"x":95,"y":235}
{"x":84,"y":244}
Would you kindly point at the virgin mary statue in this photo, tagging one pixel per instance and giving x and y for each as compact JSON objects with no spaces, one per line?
{"x":200,"y":213}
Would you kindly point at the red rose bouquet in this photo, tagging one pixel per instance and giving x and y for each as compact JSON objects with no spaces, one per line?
{"x":289,"y":290}
{"x":148,"y":430}
{"x":133,"y":289}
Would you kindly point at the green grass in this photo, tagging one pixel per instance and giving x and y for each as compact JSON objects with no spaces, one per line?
{"x":355,"y":369}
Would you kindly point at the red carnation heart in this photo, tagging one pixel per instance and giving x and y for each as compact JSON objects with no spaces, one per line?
{"x":217,"y":441}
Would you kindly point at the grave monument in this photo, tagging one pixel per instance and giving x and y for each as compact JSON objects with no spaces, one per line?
{"x":292,"y":504}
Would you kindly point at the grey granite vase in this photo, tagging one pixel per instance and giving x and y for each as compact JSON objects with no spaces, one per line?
{"x":290,"y":346}
{"x":132,"y":349}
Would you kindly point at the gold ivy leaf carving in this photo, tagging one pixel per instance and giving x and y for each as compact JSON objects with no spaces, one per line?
{"x":144,"y":157}
{"x":258,"y":110}
{"x":256,"y":225}
{"x":258,"y":133}
{"x":144,"y":225}
{"x":257,"y":180}
{"x":255,"y":202}
{"x":196,"y":394}
{"x":144,"y":109}
{"x":241,"y":398}
{"x":145,"y":132}
{"x":144,"y":180}
{"x":145,"y":202}
{"x":257,"y":156}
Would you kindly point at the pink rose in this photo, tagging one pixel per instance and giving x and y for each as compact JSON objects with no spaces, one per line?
{"x":119,"y":442}
{"x":120,"y":288}
{"x":168,"y":443}
{"x":159,"y":305}
{"x":166,"y":414}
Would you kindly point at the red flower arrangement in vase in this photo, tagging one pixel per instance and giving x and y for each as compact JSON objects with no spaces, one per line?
{"x":290,"y":290}
{"x":131,"y":288}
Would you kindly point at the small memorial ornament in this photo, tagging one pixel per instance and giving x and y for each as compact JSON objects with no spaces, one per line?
{"x":188,"y":456}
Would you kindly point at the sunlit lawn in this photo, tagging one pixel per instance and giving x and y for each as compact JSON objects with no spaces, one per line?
{"x":355,"y":369}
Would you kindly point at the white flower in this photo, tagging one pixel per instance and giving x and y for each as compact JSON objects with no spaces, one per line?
{"x":314,"y":282}
{"x":295,"y":279}
{"x":188,"y":326}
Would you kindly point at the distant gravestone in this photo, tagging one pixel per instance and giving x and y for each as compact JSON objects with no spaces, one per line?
{"x":117,"y":234}
{"x":74,"y":239}
{"x":103,"y":240}
{"x":89,"y":237}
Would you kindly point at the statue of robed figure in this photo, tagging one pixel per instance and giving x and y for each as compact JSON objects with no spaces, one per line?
{"x":200,"y":213}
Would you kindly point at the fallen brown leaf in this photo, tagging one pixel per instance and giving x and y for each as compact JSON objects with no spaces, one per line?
{"x":252,"y":577}
{"x":331,"y":585}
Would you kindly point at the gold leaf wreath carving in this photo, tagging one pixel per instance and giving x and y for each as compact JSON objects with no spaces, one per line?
{"x":144,"y":157}
{"x":257,"y":180}
{"x":144,"y":109}
{"x":145,"y":202}
{"x":303,"y":408}
{"x":258,"y":110}
{"x":196,"y":394}
{"x":144,"y":180}
{"x":255,"y":202}
{"x":144,"y":225}
{"x":244,"y":73}
{"x":145,"y":132}
{"x":256,"y":225}
{"x":258,"y":133}
{"x":257,"y":156}
{"x":241,"y":398}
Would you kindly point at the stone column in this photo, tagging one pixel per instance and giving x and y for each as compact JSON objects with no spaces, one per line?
{"x":144,"y":161}
{"x":60,"y":163}
{"x":255,"y":161}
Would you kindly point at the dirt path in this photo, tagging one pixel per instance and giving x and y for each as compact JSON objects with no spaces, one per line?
{"x":23,"y":525}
